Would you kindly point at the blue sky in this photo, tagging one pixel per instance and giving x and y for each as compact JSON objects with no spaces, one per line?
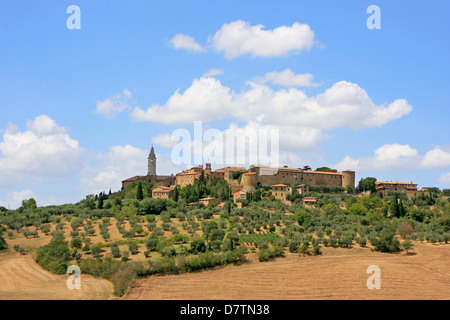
{"x":79,"y":109}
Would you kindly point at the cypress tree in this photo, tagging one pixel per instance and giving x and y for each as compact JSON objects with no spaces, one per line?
{"x":175,"y":194}
{"x":139,"y":192}
{"x":401,"y":209}
{"x":100,"y":201}
{"x":395,"y":209}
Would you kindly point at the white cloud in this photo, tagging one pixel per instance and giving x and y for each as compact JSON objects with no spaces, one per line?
{"x":206,"y":99}
{"x":245,"y":145}
{"x":116,"y":104}
{"x":345,"y":104}
{"x":181,"y":41}
{"x":164,"y":140}
{"x":445,"y":178}
{"x":239,"y":38}
{"x":15,"y":199}
{"x":437,"y":158}
{"x":44,"y":150}
{"x":288,"y":78}
{"x":120,"y":163}
{"x":394,"y":151}
{"x":386,"y":157}
{"x":398,"y":157}
{"x":213,"y":72}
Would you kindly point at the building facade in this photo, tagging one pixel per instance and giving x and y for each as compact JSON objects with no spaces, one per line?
{"x":162,"y":193}
{"x":384,"y":186}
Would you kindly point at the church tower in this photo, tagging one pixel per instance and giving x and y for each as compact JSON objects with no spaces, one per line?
{"x":152,"y":163}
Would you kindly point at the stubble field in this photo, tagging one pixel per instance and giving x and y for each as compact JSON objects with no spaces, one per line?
{"x":338,"y":274}
{"x":21,"y":278}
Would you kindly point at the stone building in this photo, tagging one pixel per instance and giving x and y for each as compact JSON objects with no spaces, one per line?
{"x":384,"y":186}
{"x":273,"y":175}
{"x":151,"y":174}
{"x":302,"y":189}
{"x":239,"y":195}
{"x":248,"y":179}
{"x":162,"y":192}
{"x":281,"y":191}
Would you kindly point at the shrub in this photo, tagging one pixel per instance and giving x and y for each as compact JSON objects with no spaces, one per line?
{"x":115,"y":251}
{"x":293,"y":245}
{"x":3,"y":245}
{"x":197,"y":246}
{"x":404,"y":229}
{"x":316,"y":250}
{"x":133,"y":247}
{"x":386,"y":242}
{"x":407,"y":245}
{"x":76,"y":243}
{"x":266,"y":254}
{"x":304,"y":248}
{"x":169,"y":251}
{"x":19,"y":249}
{"x":122,"y":279}
{"x":54,"y":256}
{"x":362,"y":241}
{"x":125,"y":256}
{"x":151,"y":244}
{"x":96,"y":251}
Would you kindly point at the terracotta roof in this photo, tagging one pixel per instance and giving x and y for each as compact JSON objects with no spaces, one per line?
{"x":205,"y":199}
{"x":162,"y":189}
{"x":231,"y":168}
{"x":279,"y":185}
{"x":133,"y":178}
{"x":393,"y":182}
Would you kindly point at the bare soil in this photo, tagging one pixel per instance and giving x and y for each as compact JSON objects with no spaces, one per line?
{"x":21,"y":278}
{"x":337,"y":274}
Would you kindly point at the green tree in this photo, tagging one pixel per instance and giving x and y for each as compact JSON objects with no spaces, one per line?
{"x":115,"y":251}
{"x":405,"y":229}
{"x":367,"y":184}
{"x":96,"y":251}
{"x":386,"y":242}
{"x":357,"y":209}
{"x":407,"y":245}
{"x":133,"y":247}
{"x":395,"y":209}
{"x":303,"y":217}
{"x":324,"y":169}
{"x":197,"y":246}
{"x":401,"y":209}
{"x":139,"y":192}
{"x":54,"y":256}
{"x":76,"y":243}
{"x":29,"y":204}
{"x":100,"y":200}
{"x":3,"y":244}
{"x":151,"y":244}
{"x":86,"y":248}
{"x":176,"y":194}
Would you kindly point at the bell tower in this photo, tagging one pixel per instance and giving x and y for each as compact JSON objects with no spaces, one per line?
{"x":152,"y":163}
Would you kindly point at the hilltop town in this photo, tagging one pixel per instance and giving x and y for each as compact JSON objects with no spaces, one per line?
{"x":282,"y":180}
